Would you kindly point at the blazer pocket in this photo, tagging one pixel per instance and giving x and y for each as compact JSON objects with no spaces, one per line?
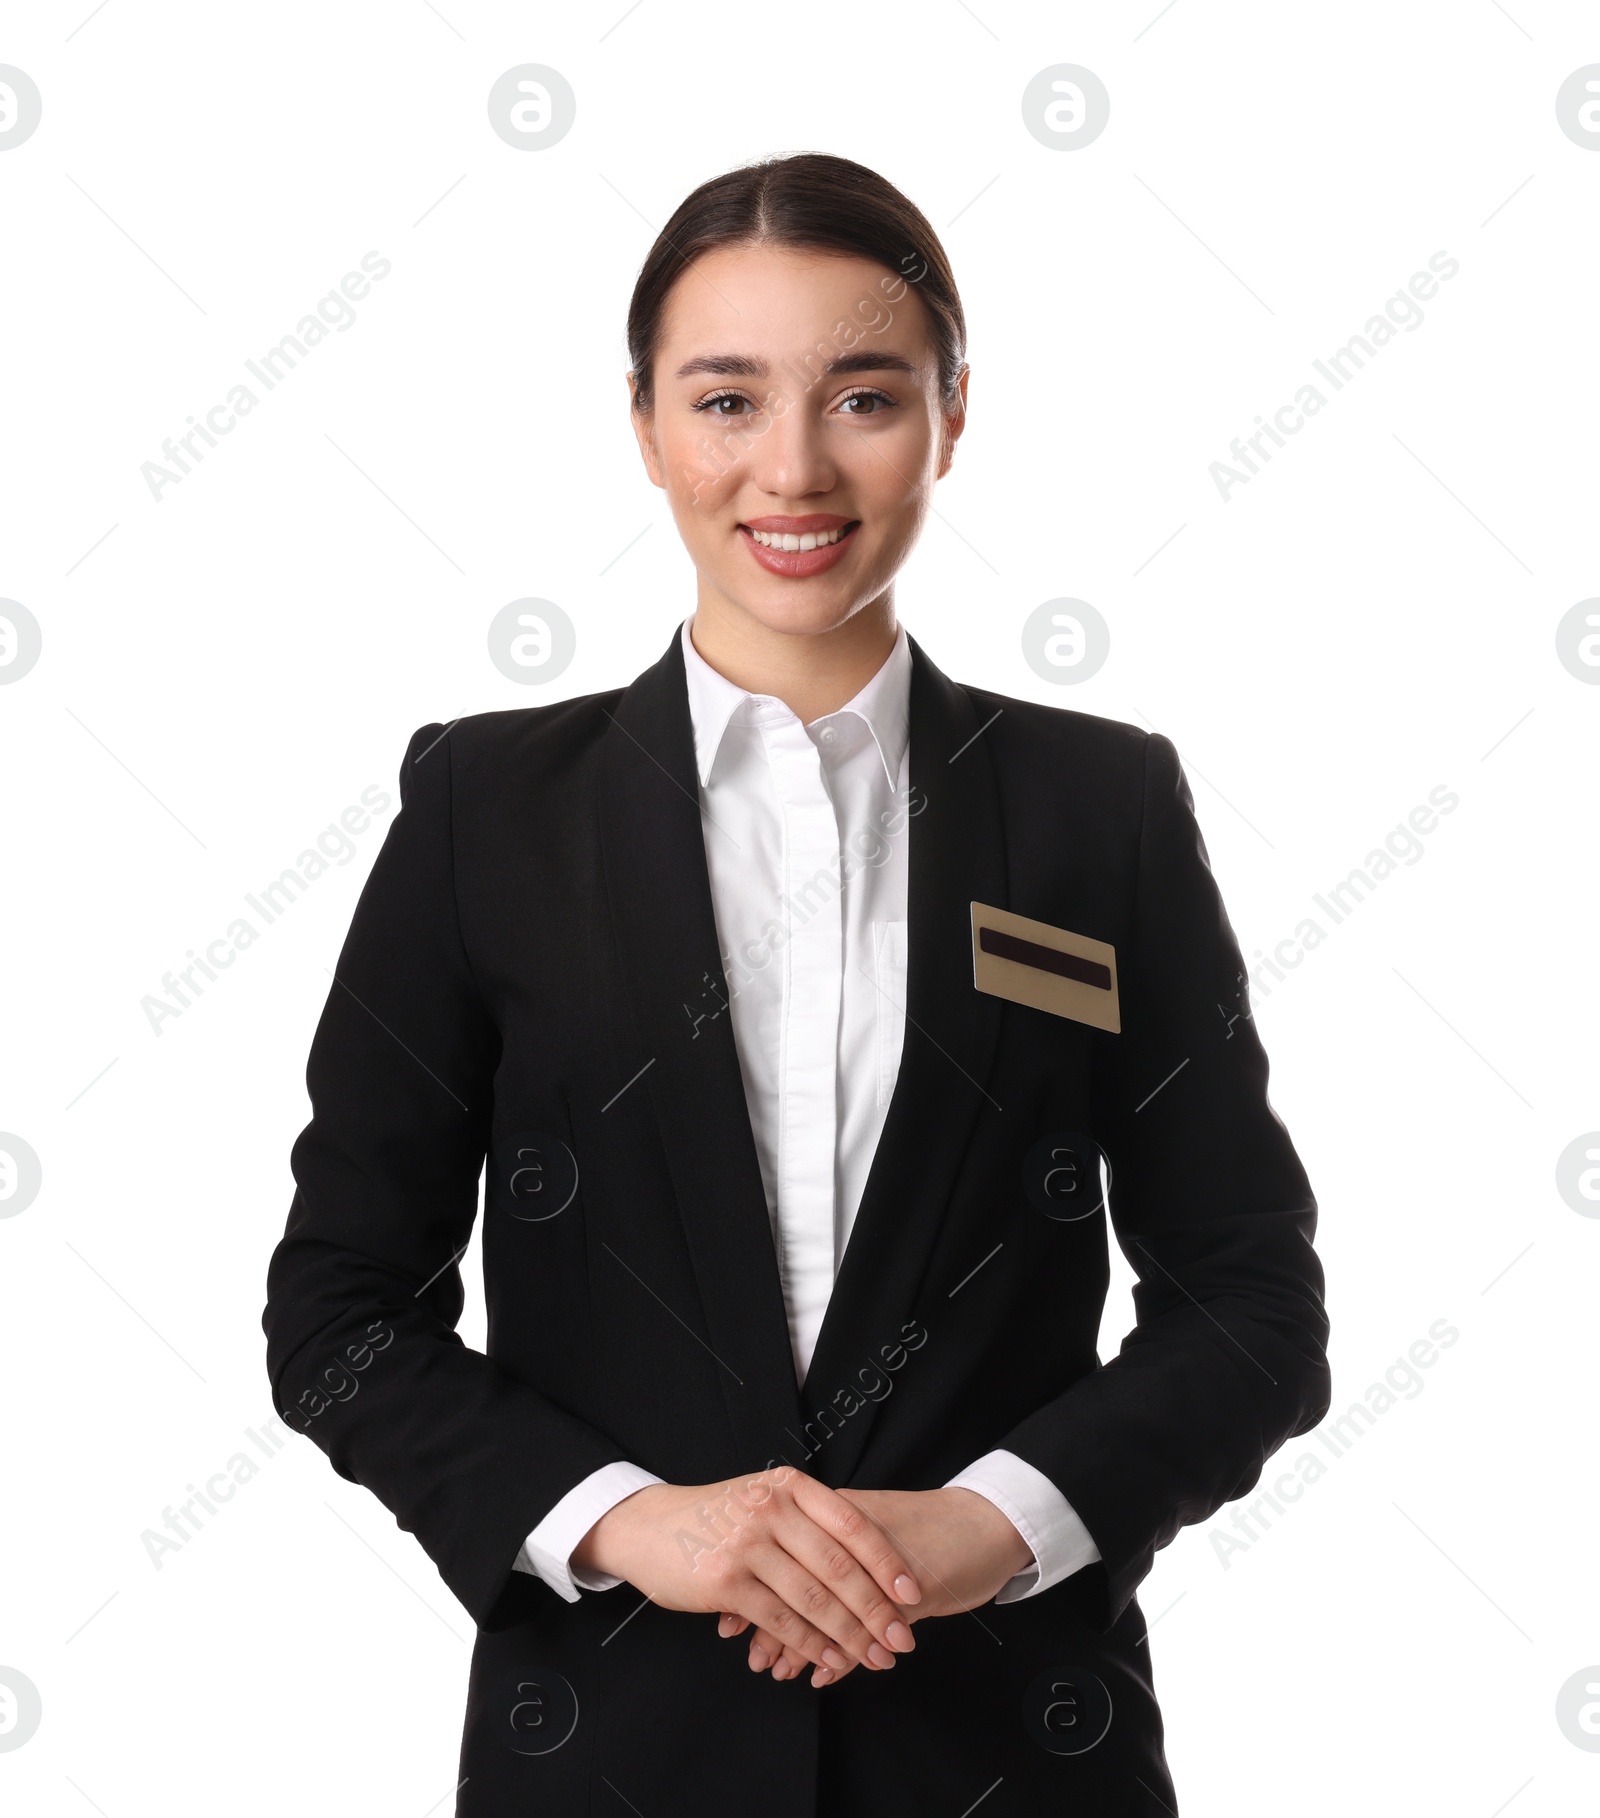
{"x":889,"y":973}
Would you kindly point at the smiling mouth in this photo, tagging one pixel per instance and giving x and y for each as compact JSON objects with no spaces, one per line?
{"x":803,"y":540}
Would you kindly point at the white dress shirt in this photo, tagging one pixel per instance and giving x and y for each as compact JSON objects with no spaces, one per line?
{"x":806,"y":836}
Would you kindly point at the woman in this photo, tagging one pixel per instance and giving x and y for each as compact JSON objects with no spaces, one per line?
{"x":794,"y":996}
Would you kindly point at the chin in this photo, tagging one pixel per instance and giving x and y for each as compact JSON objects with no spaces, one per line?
{"x":795,"y":615}
{"x":803,"y":608}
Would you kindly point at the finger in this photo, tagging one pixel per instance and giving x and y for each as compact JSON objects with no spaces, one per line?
{"x":866,"y":1540}
{"x":766,"y":1653}
{"x":741,"y":1569}
{"x":769,"y":1654}
{"x":811,"y":1597}
{"x":871,"y":1618}
{"x":784,"y":1626}
{"x":756,"y":1577}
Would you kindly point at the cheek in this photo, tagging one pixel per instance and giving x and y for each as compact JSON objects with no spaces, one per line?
{"x":702,"y":467}
{"x":894,"y":473}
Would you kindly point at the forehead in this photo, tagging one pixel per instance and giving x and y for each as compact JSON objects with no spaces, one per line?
{"x":777,"y":302}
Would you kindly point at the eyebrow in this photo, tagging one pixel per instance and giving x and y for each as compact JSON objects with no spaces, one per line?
{"x":743,"y":366}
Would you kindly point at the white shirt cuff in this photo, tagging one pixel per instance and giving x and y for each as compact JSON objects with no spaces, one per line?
{"x":547,"y":1552}
{"x":1058,"y":1540}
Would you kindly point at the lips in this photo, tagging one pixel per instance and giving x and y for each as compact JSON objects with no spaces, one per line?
{"x":798,"y":547}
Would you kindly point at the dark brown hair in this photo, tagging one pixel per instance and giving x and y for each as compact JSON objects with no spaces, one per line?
{"x":809,"y":199}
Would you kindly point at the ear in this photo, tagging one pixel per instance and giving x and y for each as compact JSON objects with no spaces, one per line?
{"x":644,"y":429}
{"x":955,"y":420}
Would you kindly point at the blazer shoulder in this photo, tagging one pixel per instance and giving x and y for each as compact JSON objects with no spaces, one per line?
{"x":552,"y":737}
{"x":1033,"y":730}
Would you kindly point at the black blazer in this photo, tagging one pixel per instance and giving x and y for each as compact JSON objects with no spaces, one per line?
{"x":534,"y":966}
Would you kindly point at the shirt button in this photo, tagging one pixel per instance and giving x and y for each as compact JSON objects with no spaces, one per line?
{"x":828,"y":735}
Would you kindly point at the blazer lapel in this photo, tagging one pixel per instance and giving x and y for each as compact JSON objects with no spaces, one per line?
{"x":956,"y":857}
{"x":659,"y":893}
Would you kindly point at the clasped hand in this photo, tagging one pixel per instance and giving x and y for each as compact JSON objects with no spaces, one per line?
{"x":829,"y":1578}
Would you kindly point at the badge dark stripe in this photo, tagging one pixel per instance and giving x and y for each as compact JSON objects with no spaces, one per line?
{"x":1045,"y":959}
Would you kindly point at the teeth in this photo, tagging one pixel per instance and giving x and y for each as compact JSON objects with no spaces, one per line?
{"x":811,"y":540}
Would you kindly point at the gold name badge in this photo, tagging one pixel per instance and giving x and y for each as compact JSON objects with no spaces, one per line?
{"x":1050,"y":969}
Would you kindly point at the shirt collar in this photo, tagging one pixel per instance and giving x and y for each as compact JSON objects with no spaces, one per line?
{"x":884,"y":704}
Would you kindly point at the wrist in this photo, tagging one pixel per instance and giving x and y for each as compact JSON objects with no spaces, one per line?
{"x":604,"y":1548}
{"x":1001,"y":1533}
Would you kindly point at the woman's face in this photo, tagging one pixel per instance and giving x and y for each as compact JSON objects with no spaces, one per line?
{"x":796,"y":399}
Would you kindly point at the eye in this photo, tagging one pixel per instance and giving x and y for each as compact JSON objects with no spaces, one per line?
{"x":866,"y":396}
{"x":708,"y":405}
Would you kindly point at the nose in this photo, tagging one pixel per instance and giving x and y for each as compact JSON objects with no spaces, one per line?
{"x":792,"y":461}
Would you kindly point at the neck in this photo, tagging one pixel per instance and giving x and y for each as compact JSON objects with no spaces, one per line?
{"x":811,"y":672}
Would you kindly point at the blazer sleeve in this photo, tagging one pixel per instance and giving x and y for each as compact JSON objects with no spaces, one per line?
{"x":363,"y":1291}
{"x":1211,"y":1206}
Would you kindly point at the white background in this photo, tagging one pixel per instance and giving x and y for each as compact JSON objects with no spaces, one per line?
{"x":224,"y":671}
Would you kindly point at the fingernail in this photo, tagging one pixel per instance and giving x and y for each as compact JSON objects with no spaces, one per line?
{"x":758,"y":1660}
{"x":834,"y":1658}
{"x":906,"y":1589}
{"x":781,"y":1670}
{"x":821,"y":1675}
{"x":879,"y":1655}
{"x":724,"y":1626}
{"x":900,"y":1638}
